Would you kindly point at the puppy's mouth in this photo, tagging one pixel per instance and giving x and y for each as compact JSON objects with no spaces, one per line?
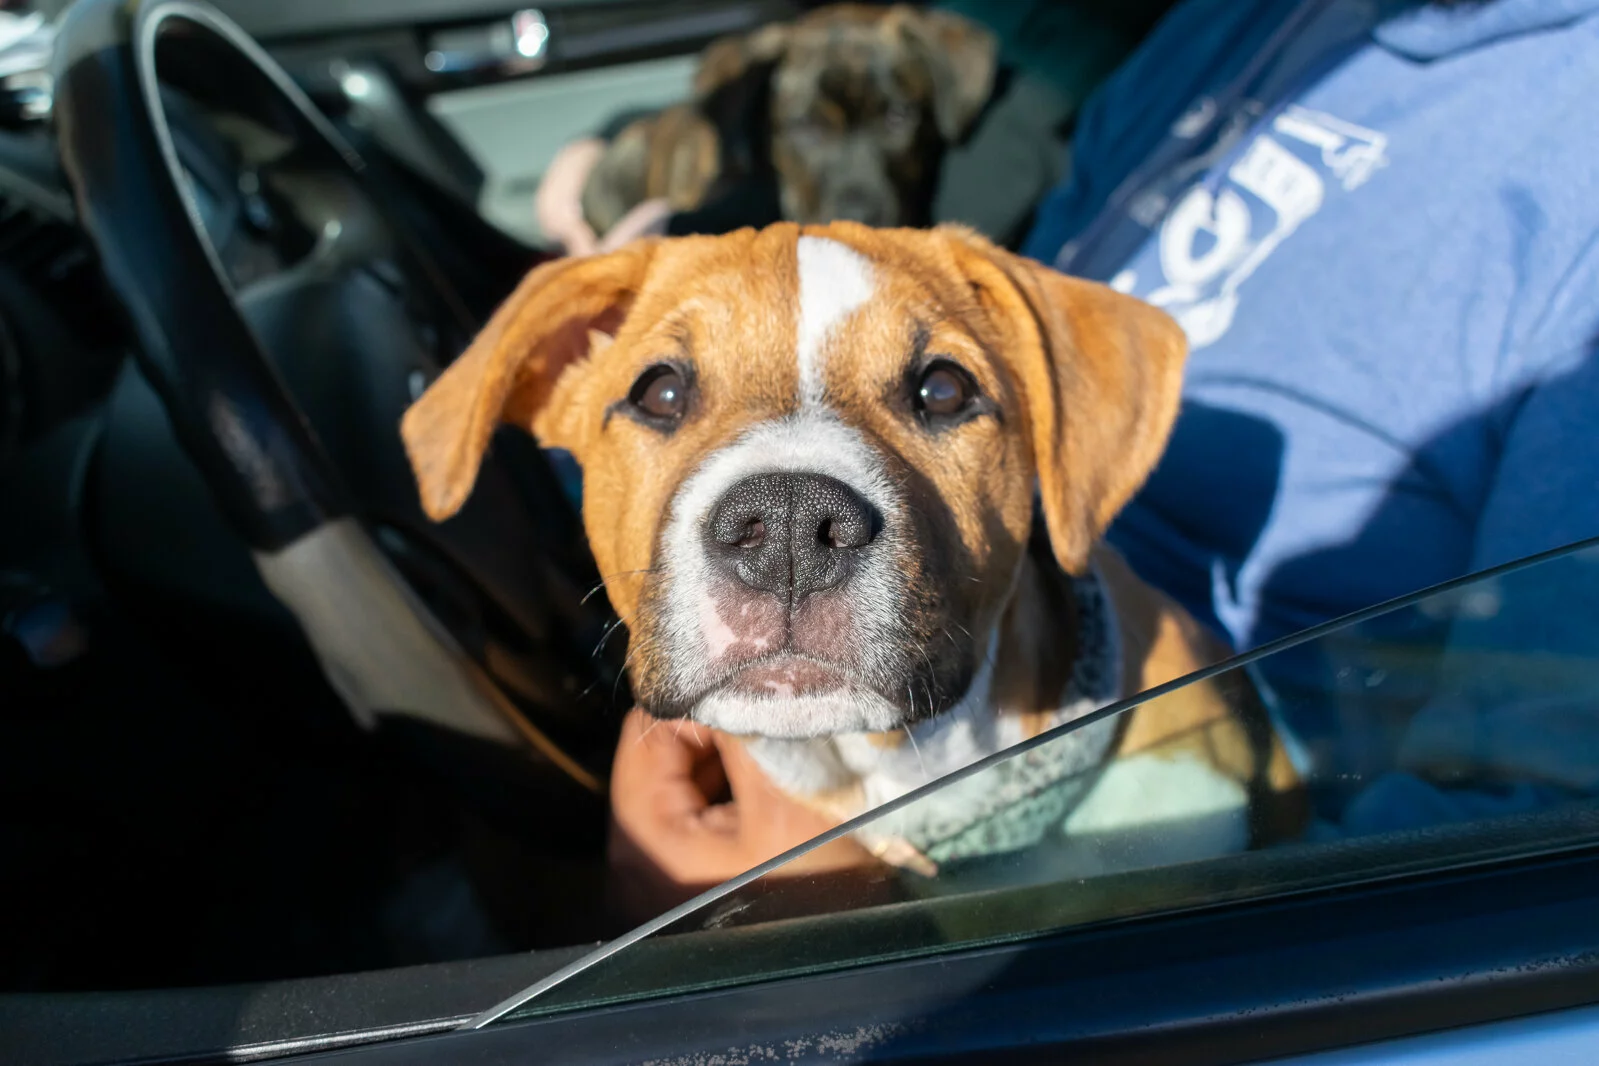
{"x":790,"y":694}
{"x":773,"y":683}
{"x":787,"y":676}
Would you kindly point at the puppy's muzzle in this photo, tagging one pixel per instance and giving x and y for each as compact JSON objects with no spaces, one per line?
{"x":790,"y":534}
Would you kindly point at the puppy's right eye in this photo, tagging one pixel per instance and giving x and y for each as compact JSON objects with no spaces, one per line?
{"x":944,"y":391}
{"x":660,"y":394}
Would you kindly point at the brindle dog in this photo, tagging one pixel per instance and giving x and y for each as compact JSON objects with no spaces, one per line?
{"x":848,"y":111}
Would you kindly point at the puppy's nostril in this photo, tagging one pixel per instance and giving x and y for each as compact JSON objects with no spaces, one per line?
{"x":754,"y":535}
{"x":850,"y":531}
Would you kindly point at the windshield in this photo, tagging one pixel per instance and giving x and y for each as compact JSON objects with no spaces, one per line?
{"x":1468,"y":733}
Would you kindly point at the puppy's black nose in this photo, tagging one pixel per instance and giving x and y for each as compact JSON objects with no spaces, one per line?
{"x":790,"y":534}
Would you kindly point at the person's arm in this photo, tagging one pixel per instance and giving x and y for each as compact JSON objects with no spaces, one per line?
{"x":559,"y":207}
{"x":558,"y":203}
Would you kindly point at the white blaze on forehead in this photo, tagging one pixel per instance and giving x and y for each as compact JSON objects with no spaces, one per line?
{"x":834,"y":280}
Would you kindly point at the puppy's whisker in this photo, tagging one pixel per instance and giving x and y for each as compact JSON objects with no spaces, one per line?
{"x":616,"y":686}
{"x":627,"y":573}
{"x":916,"y":748}
{"x":621,"y":675}
{"x":647,"y":730}
{"x":600,"y":586}
{"x":930,"y":673}
{"x":948,"y":635}
{"x":610,"y":629}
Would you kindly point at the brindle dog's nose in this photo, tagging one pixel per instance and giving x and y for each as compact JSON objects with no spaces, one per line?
{"x":791,"y":534}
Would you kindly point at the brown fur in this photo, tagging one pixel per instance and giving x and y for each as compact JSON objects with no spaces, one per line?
{"x":672,"y":156}
{"x":1085,"y":382}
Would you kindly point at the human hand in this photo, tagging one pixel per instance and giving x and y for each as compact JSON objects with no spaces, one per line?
{"x":690,"y":808}
{"x":647,"y":219}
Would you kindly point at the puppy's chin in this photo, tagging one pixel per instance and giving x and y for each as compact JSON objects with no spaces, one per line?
{"x":796,"y":697}
{"x":785,"y":696}
{"x":847,"y":709}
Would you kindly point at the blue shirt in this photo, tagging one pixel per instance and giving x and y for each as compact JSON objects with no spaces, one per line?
{"x":1380,"y":229}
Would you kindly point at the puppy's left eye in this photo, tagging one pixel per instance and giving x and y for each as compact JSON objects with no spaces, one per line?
{"x":660,"y":394}
{"x":944,"y":391}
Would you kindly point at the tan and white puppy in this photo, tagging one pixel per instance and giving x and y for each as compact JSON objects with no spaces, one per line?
{"x":812,"y":461}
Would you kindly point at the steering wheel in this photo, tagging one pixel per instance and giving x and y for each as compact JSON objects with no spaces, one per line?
{"x":284,"y":374}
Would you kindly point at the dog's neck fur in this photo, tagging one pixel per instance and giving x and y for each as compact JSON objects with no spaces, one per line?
{"x":1025,"y":683}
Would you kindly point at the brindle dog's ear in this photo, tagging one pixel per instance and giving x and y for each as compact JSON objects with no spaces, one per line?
{"x":508,"y":372}
{"x":732,"y":92}
{"x":961,"y":56}
{"x":727,"y":60}
{"x":1101,"y":377}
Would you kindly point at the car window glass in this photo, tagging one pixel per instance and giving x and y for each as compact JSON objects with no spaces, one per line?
{"x":1468,"y":732}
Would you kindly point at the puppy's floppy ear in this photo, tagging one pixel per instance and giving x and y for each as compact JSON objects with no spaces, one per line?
{"x":508,"y":372}
{"x":728,"y":59}
{"x":1101,"y":377}
{"x":961,"y":56}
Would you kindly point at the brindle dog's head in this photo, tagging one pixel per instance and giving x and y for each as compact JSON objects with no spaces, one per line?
{"x":863,"y":102}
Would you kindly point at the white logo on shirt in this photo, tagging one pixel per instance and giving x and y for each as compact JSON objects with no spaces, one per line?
{"x":1215,"y":237}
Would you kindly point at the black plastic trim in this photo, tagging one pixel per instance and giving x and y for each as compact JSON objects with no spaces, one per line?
{"x":1236,"y":984}
{"x":246,"y":1023}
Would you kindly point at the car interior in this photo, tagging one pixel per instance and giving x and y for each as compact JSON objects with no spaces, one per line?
{"x":179,"y":767}
{"x":236,"y":243}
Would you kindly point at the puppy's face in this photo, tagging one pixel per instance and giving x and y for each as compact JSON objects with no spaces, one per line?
{"x":810,"y":457}
{"x":863,"y":101}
